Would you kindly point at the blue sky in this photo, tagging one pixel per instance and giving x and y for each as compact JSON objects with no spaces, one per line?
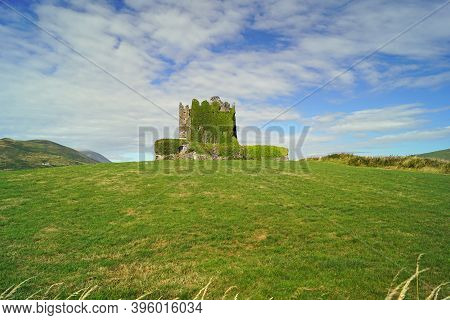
{"x":263,"y":55}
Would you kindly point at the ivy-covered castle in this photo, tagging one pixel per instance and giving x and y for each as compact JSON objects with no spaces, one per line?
{"x":208,"y":122}
{"x":207,"y":130}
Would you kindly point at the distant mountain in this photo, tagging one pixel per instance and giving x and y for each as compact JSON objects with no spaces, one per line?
{"x":95,"y":156}
{"x":16,"y":154}
{"x":441,"y":154}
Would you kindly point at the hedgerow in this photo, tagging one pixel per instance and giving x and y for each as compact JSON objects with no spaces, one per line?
{"x":228,"y":150}
{"x":399,"y":162}
{"x":263,"y":152}
{"x":168,"y":146}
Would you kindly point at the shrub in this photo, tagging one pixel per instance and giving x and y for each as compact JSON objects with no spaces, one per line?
{"x":263,"y":152}
{"x":168,"y":146}
{"x":399,"y":162}
{"x":230,"y":150}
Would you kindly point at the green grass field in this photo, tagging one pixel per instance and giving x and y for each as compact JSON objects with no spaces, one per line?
{"x":338,"y":232}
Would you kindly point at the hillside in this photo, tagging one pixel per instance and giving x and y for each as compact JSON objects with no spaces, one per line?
{"x":255,"y":230}
{"x":441,"y":154}
{"x":95,"y":156}
{"x":16,"y":154}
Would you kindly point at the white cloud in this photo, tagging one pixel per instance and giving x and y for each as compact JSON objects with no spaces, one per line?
{"x":433,"y":134}
{"x":380,"y":119}
{"x":426,"y":81}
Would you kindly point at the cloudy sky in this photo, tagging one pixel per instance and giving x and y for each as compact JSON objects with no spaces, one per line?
{"x":264,"y":55}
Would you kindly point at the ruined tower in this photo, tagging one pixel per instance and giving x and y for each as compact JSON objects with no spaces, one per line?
{"x":184,"y":121}
{"x":207,"y":130}
{"x":212,"y":121}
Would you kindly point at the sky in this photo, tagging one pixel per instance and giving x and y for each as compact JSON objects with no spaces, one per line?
{"x":133,"y":61}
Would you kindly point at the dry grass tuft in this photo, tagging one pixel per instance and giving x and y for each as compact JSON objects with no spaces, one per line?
{"x":227,"y":291}
{"x":82,"y":294}
{"x":130,"y":212}
{"x":203,"y":291}
{"x":8,"y":293}
{"x":400,"y":291}
{"x":260,"y":235}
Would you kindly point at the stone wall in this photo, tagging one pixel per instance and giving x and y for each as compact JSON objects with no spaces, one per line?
{"x":184,"y":122}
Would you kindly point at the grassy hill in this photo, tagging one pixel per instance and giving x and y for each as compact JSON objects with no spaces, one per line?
{"x":95,"y":156}
{"x":338,"y":232}
{"x":441,"y":154}
{"x":16,"y":154}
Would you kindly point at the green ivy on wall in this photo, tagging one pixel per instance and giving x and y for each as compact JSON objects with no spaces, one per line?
{"x":168,"y":146}
{"x":209,"y":125}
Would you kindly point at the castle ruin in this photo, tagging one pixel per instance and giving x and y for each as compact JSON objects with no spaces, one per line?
{"x":217,"y":105}
{"x":207,"y":131}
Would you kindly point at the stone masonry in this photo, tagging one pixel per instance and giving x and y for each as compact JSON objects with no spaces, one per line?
{"x":184,"y":122}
